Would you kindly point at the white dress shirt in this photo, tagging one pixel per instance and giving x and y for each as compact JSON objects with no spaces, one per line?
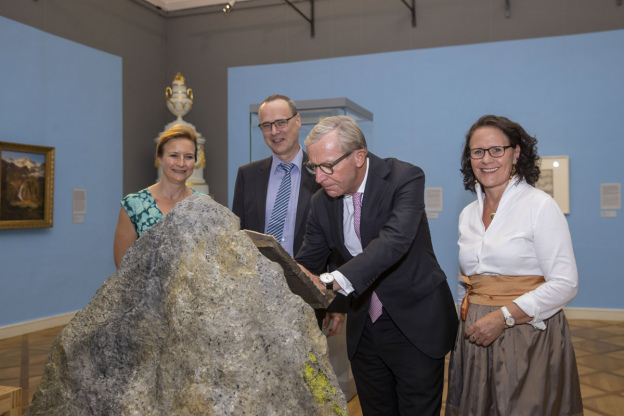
{"x":352,"y":242}
{"x":529,"y":236}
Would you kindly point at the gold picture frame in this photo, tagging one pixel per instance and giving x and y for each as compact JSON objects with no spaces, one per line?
{"x":26,"y":186}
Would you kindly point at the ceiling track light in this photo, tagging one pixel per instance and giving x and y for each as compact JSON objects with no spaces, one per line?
{"x":227,"y":9}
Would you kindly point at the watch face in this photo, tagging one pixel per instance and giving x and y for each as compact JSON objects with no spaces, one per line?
{"x":510,"y":321}
{"x":326,"y":278}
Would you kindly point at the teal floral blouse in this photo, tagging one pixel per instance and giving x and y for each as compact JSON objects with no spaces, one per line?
{"x":142,"y":210}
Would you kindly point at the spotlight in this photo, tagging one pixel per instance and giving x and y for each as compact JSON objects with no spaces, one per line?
{"x":229,"y":6}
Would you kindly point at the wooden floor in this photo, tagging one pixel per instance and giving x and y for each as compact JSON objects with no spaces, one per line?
{"x":599,"y":347}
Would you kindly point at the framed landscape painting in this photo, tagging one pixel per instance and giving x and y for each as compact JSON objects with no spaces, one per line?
{"x":26,"y":186}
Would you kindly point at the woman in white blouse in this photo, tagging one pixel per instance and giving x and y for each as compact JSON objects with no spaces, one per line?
{"x":513,"y":354}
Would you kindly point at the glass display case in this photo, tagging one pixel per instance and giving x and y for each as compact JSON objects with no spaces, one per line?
{"x":312,"y":111}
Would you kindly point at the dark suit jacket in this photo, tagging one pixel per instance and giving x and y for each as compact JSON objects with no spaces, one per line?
{"x":250,"y":192}
{"x":397,"y":261}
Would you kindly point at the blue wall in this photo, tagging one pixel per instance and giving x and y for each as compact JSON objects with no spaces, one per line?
{"x":568,"y":91}
{"x":61,"y":94}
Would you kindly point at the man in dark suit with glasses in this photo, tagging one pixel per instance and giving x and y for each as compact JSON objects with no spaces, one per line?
{"x":402,"y":319}
{"x":272,"y":195}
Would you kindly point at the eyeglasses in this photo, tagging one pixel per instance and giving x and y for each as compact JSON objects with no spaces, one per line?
{"x":279,"y":124}
{"x":327,"y":168}
{"x":495,"y":151}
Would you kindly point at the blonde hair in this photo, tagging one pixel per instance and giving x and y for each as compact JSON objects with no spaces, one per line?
{"x":178,"y":131}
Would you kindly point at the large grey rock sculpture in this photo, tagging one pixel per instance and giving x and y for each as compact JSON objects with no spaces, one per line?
{"x":195,"y":322}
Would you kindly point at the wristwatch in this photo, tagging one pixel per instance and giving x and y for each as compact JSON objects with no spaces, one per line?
{"x":510,"y":321}
{"x":328,"y":279}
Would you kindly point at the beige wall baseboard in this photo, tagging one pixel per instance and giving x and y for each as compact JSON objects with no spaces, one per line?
{"x":595,"y":314}
{"x":58,"y":320}
{"x":22,"y":328}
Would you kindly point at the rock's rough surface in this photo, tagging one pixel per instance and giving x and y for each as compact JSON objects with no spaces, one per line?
{"x":195,"y":322}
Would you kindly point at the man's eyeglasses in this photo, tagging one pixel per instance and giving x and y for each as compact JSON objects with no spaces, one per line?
{"x":327,"y":168}
{"x":496,"y":151}
{"x":279,"y":124}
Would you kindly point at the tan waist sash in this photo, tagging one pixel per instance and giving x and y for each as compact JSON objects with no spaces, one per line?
{"x":496,"y":290}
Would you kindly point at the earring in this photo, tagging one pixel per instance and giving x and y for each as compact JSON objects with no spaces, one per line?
{"x":513,"y":172}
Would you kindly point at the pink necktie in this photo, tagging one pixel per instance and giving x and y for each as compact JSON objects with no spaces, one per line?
{"x":376,"y":306}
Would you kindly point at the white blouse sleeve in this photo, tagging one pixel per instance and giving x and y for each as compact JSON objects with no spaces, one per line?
{"x":553,"y":249}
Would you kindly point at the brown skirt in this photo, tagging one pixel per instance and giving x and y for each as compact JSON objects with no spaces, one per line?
{"x":524,"y":372}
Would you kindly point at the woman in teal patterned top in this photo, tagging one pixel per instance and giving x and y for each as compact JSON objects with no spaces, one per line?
{"x":143,"y":210}
{"x":176,"y":152}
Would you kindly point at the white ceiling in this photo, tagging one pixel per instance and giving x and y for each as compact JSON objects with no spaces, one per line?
{"x":173,"y":5}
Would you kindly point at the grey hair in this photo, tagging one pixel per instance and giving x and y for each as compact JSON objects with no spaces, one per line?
{"x":350,"y":136}
{"x":290,"y":102}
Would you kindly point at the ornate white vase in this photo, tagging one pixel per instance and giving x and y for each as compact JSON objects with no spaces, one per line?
{"x":179,"y":98}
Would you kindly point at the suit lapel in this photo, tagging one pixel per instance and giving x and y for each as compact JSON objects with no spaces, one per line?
{"x":374,"y":193}
{"x":339,"y":218}
{"x":305,"y":193}
{"x":261,"y":191}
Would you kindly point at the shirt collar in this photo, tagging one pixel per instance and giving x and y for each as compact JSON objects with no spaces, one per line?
{"x":363,"y":184}
{"x":514,"y":184}
{"x":297,"y":161}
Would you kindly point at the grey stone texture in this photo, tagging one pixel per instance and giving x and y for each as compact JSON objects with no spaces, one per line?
{"x":195,"y":322}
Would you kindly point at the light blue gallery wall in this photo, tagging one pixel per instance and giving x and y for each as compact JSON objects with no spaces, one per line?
{"x":61,"y":94}
{"x":568,"y":91}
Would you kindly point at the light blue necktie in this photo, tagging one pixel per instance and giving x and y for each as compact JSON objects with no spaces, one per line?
{"x":280,"y":207}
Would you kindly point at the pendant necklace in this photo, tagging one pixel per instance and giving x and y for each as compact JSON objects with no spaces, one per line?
{"x":492,"y":214}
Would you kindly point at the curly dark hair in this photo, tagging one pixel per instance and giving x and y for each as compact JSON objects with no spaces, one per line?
{"x":527,"y":166}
